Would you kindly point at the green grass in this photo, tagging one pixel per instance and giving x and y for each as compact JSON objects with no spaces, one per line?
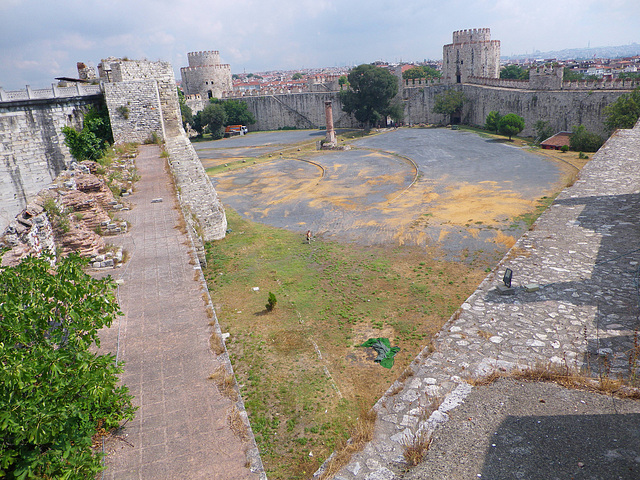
{"x":333,"y":296}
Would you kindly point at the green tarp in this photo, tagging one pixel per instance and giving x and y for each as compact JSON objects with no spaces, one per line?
{"x":383,"y":348}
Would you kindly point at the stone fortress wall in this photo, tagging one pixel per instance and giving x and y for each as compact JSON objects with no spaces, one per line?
{"x":32,"y":149}
{"x":206,"y":75}
{"x":148,"y":90}
{"x":142,"y":100}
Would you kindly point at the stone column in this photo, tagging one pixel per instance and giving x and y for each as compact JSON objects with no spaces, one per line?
{"x":331,"y":134}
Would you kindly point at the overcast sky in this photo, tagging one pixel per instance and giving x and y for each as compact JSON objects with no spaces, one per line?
{"x":43,"y":39}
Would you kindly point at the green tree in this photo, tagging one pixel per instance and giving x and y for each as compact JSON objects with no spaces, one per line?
{"x":343,"y":81}
{"x":213,"y":118}
{"x":449,"y":103}
{"x":492,"y":121}
{"x":56,"y":392}
{"x":370,"y":95}
{"x":91,"y":142}
{"x":423,"y":71}
{"x":511,"y":124}
{"x":569,"y":74}
{"x":296,"y":76}
{"x":237,"y":113}
{"x":629,"y":75}
{"x":624,"y":112}
{"x":515,"y":72}
{"x":543,"y":131}
{"x":583,"y":141}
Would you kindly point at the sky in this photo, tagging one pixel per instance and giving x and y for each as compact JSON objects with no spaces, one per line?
{"x":43,"y":39}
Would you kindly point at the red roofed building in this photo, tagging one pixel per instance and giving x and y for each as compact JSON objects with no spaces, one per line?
{"x":557,"y":141}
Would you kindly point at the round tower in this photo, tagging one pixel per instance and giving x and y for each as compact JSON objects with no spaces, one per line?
{"x":205,"y":75}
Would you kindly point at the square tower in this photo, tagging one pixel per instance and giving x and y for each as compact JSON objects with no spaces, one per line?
{"x":472,"y":54}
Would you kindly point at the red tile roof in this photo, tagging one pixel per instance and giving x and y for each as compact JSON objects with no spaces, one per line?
{"x":557,"y":140}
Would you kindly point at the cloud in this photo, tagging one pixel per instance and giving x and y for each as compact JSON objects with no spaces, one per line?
{"x":255,"y":35}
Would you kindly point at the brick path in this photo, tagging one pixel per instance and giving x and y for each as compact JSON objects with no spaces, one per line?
{"x":181,"y":430}
{"x":585,"y":255}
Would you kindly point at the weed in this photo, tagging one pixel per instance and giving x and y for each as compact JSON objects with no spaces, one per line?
{"x":216,"y":343}
{"x":416,"y":448}
{"x":225,"y":382}
{"x":237,"y":425}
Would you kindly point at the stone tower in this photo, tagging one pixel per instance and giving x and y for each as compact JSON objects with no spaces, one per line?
{"x":472,"y":54}
{"x":205,"y":75}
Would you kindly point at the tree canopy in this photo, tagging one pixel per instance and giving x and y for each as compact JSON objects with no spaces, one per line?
{"x":624,"y":112}
{"x":583,"y":141}
{"x":211,"y":119}
{"x":421,"y":71}
{"x":237,"y":113}
{"x":511,"y":124}
{"x":56,"y":392}
{"x":492,"y":121}
{"x":449,"y":103}
{"x":515,"y":72}
{"x":370,"y":95}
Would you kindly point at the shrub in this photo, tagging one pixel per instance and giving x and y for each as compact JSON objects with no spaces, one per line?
{"x":564,"y":148}
{"x":56,"y":392}
{"x":583,"y":141}
{"x":271,"y":302}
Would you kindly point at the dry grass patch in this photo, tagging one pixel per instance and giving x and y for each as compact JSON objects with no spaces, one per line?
{"x":237,"y":425}
{"x":566,"y":377}
{"x":216,"y":343}
{"x":225,"y":382}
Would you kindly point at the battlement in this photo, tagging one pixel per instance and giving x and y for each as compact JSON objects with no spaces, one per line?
{"x":204,"y":58}
{"x":218,"y":66}
{"x":472,"y":35}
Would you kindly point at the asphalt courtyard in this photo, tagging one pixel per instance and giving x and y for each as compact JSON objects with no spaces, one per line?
{"x":438,"y":187}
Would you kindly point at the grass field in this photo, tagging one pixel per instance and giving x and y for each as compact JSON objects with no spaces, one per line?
{"x":302,"y":376}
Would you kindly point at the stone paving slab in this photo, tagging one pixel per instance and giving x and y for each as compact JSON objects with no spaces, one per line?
{"x":182,"y":428}
{"x":584,"y":253}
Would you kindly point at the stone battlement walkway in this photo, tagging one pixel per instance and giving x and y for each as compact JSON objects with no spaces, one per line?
{"x":585,"y":255}
{"x":182,"y":428}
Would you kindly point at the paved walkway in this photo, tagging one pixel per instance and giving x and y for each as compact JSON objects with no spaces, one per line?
{"x":182,"y":428}
{"x":585,"y":255}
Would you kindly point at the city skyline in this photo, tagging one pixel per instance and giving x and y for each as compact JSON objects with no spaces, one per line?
{"x":39,"y":42}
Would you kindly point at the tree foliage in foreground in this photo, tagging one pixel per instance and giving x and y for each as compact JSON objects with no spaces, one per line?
{"x":55,"y":391}
{"x":370,"y":95}
{"x":94,"y":138}
{"x":624,"y":112}
{"x":510,"y":125}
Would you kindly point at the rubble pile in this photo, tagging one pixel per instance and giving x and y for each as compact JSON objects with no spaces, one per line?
{"x":72,"y":215}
